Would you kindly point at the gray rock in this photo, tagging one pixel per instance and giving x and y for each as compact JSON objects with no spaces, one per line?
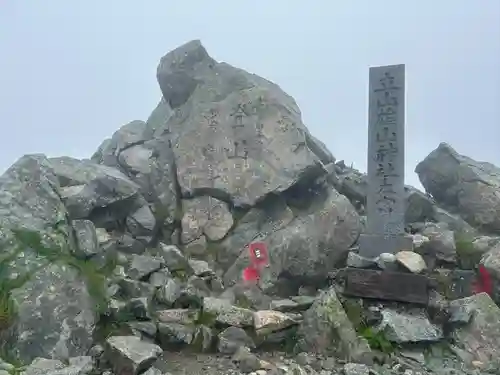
{"x":441,"y":244}
{"x":200,"y":267}
{"x":491,"y":261}
{"x":357,"y":261}
{"x":204,"y":338}
{"x":138,"y":308}
{"x":412,"y":261}
{"x":319,"y":149}
{"x":235,"y":148}
{"x":142,"y":266}
{"x":174,"y":259}
{"x":284,"y":305}
{"x":123,"y":243}
{"x":469,"y":186}
{"x":158,"y":118}
{"x":86,"y":238}
{"x":307,"y":249}
{"x":205,"y":216}
{"x":146,"y":328}
{"x":257,"y":224}
{"x":409,"y":326}
{"x":356,"y":369}
{"x":246,"y":360}
{"x":327,"y":330}
{"x":127,"y":136}
{"x":169,"y":293}
{"x":454,"y":221}
{"x":141,"y":222}
{"x":480,"y":338}
{"x":226,"y":313}
{"x":56,"y":314}
{"x":146,"y":161}
{"x":41,"y":366}
{"x":130,"y":355}
{"x":247,"y":296}
{"x":269,"y":321}
{"x":195,"y":290}
{"x":232,"y":338}
{"x":160,"y":278}
{"x":419,"y":207}
{"x":180,"y":316}
{"x":174,"y":335}
{"x":129,"y":288}
{"x":386,"y":261}
{"x":88,"y":186}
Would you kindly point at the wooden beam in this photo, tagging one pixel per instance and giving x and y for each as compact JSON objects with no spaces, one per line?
{"x":387,"y":285}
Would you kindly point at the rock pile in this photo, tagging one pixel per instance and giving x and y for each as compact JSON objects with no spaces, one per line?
{"x":109,"y":265}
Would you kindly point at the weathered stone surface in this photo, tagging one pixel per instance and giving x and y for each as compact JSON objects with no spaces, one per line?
{"x":205,"y":216}
{"x":146,"y":161}
{"x":481,"y":336}
{"x":175,"y":335}
{"x":86,"y":238}
{"x":491,"y":260}
{"x":419,"y":207}
{"x":412,"y":261}
{"x":56,"y":314}
{"x":141,"y":221}
{"x":260,"y":222}
{"x":88,"y":187}
{"x":268,"y":321}
{"x":441,"y":244}
{"x":246,"y":360}
{"x":130,"y":355}
{"x":308,"y":248}
{"x":472,"y":187}
{"x":232,"y":338}
{"x":141,"y":266}
{"x":413,"y":326}
{"x":327,"y":330}
{"x":169,"y":293}
{"x":224,"y":133}
{"x":173,"y":257}
{"x":226,"y":313}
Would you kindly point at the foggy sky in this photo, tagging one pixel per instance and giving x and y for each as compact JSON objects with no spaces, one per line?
{"x":72,"y":72}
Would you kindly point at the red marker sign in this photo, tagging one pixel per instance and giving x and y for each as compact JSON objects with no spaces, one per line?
{"x":258,"y":254}
{"x":258,"y":260}
{"x":251,"y":275}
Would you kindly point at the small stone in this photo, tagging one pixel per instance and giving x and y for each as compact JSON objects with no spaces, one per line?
{"x":478,"y":364}
{"x":412,"y":261}
{"x":419,"y":240}
{"x":329,"y":363}
{"x":357,"y":261}
{"x":129,"y":354}
{"x":246,"y":360}
{"x":356,"y":369}
{"x":386,"y":261}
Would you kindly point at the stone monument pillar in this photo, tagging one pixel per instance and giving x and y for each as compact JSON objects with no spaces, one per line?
{"x":386,"y":141}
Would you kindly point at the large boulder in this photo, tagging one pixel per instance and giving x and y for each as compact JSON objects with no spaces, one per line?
{"x":303,"y":249}
{"x":104,"y":195}
{"x":327,"y":330}
{"x":56,"y":314}
{"x":235,"y":136}
{"x":148,"y":162}
{"x":460,"y":183}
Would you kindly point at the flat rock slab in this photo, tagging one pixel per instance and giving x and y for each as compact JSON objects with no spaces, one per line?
{"x":481,"y":336}
{"x":233,"y":134}
{"x":387,"y":285}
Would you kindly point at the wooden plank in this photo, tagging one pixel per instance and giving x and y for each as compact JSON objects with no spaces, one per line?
{"x":387,"y":285}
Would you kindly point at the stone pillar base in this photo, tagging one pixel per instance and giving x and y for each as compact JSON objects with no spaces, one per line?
{"x":372,"y":245}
